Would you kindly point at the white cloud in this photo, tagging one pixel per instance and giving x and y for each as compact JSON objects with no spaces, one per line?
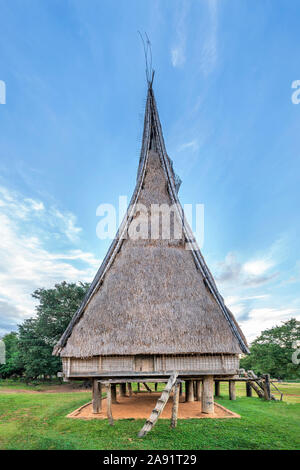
{"x":28,"y":229}
{"x":260,"y":319}
{"x":192,"y":145}
{"x":257,"y":267}
{"x":251,"y":273}
{"x":251,"y":289}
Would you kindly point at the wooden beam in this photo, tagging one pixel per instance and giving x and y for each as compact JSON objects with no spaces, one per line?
{"x":208,"y":394}
{"x":133,"y":375}
{"x":198,"y":390}
{"x":118,"y":380}
{"x":266,"y":385}
{"x":146,"y":387}
{"x":257,"y":389}
{"x":232,"y":394}
{"x":96,"y":400}
{"x":108,"y":403}
{"x":217,"y":388}
{"x":129,"y":386}
{"x":175,"y":405}
{"x":248,"y":389}
{"x":260,"y":390}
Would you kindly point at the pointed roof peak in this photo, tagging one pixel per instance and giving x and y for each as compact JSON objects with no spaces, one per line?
{"x":148,"y":58}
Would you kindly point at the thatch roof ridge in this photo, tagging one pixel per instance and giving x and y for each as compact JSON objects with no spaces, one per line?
{"x":152,"y":129}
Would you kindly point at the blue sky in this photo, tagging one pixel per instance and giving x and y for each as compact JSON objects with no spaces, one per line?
{"x":71,"y":127}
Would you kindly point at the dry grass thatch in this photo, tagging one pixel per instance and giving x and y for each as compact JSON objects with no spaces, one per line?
{"x":152,"y":296}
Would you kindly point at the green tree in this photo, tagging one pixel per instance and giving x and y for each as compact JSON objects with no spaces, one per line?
{"x":271,"y":352}
{"x":38,"y":335}
{"x":13,"y":364}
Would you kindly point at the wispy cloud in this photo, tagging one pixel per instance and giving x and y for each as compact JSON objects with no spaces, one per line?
{"x":67,"y":224}
{"x":27,"y":262}
{"x":193,"y":145}
{"x":178,"y":49}
{"x":209,"y":52}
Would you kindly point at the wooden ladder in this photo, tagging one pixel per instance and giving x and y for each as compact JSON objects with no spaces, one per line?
{"x":161,"y":403}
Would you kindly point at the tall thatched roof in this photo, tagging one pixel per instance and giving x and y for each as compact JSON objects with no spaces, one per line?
{"x":152,"y":296}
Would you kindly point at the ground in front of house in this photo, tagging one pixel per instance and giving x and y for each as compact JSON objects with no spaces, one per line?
{"x":140,"y":405}
{"x":32,"y":418}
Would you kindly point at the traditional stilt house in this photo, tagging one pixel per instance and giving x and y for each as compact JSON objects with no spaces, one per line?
{"x":153,"y":309}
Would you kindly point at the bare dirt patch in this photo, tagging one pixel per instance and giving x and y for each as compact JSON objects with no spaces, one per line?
{"x":140,"y":405}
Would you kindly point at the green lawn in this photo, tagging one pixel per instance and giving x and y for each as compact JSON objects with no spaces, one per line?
{"x":37,"y":421}
{"x":8,"y":384}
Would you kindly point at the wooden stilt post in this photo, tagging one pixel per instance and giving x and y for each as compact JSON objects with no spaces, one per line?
{"x":175,"y":405}
{"x":129,"y":389}
{"x":180,"y":389}
{"x":114,"y":393}
{"x":198,"y":390}
{"x":217,"y":388}
{"x":108,"y":402}
{"x":232,"y":395}
{"x":123,"y":390}
{"x":248,"y":389}
{"x":155,"y":387}
{"x":189,"y":390}
{"x":195,"y":389}
{"x":208,"y":394}
{"x":96,"y":401}
{"x":267,"y":388}
{"x":138,"y":386}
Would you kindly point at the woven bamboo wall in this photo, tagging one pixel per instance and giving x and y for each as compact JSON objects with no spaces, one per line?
{"x":197,"y":362}
{"x":144,"y":364}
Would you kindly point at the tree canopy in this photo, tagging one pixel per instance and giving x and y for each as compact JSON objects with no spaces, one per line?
{"x":272,"y":352}
{"x":29,"y":351}
{"x":13,"y":364}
